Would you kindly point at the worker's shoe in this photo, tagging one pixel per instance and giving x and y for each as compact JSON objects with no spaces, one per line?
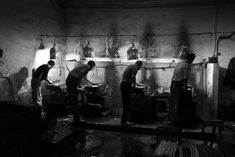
{"x":43,"y":115}
{"x":128,"y":123}
{"x":78,"y":119}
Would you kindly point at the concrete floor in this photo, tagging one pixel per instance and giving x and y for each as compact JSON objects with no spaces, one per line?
{"x":101,"y":144}
{"x":104,"y":143}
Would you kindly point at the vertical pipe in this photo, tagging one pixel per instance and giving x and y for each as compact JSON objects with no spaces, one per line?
{"x":215,"y":53}
{"x":213,"y":87}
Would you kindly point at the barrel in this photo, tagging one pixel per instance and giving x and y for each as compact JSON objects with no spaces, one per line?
{"x":19,"y":130}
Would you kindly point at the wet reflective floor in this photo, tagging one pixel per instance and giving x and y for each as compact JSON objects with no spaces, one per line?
{"x":119,"y":145}
{"x":103,"y":144}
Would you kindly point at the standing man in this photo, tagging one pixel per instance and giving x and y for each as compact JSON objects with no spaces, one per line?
{"x":178,"y":84}
{"x":38,"y":76}
{"x":128,"y":82}
{"x":73,"y":83}
{"x":229,"y":91}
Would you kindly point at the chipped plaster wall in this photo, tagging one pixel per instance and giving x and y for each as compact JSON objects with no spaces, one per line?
{"x":165,"y":29}
{"x":21,"y":25}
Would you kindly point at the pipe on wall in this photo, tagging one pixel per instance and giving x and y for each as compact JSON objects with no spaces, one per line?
{"x":221,"y":38}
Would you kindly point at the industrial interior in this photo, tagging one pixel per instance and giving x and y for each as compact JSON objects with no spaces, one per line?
{"x":116,"y":35}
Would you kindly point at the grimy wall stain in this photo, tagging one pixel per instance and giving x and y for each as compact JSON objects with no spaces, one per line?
{"x":158,"y":33}
{"x":167,"y":28}
{"x":21,"y":25}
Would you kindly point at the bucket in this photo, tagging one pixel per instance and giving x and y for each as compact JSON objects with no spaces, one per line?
{"x":19,"y":130}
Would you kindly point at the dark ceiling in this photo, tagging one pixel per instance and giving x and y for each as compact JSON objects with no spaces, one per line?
{"x":137,"y":4}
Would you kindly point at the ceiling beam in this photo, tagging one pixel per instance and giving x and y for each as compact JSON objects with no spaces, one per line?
{"x":140,"y":4}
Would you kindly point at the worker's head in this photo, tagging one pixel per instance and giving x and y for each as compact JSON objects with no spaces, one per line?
{"x":51,"y":63}
{"x":91,"y":64}
{"x":138,"y":64}
{"x":190,"y":57}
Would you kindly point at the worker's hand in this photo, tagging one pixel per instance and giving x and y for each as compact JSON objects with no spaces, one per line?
{"x":82,"y":89}
{"x":96,"y":84}
{"x":50,"y":84}
{"x":140,"y":85}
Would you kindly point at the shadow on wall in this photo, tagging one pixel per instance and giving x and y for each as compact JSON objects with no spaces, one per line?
{"x":19,"y":81}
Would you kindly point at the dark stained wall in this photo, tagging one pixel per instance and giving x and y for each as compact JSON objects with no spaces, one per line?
{"x":21,"y":24}
{"x":159,"y":30}
{"x":165,"y":30}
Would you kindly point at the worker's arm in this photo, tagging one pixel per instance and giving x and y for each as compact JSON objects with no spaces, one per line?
{"x":48,"y":81}
{"x":138,"y":84}
{"x":133,"y":80}
{"x":88,"y":81}
{"x":186,"y":75}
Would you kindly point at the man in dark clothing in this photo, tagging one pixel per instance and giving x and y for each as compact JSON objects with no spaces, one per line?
{"x":128,"y":82}
{"x":230,"y":74}
{"x":73,"y":83}
{"x":178,"y":83}
{"x":38,"y":76}
{"x":229,"y":81}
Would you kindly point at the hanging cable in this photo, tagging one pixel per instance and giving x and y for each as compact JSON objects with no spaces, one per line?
{"x":215,"y":31}
{"x":220,"y":38}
